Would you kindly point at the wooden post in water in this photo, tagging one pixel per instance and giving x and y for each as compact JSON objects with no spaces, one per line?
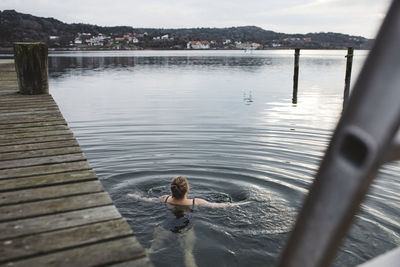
{"x":296,"y":75}
{"x":31,"y":66}
{"x":349,"y":64}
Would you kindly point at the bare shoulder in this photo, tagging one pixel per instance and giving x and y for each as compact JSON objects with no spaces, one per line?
{"x":200,"y":201}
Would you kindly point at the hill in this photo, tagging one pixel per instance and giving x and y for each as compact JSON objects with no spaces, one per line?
{"x":15,"y":26}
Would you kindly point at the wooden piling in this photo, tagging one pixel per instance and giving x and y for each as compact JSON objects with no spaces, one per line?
{"x":347,"y":79}
{"x":31,"y":65}
{"x":296,"y":75}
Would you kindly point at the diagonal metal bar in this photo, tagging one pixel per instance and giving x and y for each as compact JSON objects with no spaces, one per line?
{"x":358,"y":147}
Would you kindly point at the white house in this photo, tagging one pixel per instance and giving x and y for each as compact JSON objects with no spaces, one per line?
{"x":198,"y":45}
{"x":133,"y":39}
{"x":164,"y":37}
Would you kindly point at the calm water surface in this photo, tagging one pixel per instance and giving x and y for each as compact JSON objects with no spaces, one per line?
{"x":144,"y":117}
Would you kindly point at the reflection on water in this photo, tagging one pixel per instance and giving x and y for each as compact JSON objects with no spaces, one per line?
{"x":226,"y":121}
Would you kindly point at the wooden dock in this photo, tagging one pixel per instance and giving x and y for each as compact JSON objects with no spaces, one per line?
{"x":53,"y":208}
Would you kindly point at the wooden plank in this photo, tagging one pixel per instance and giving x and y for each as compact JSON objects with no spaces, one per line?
{"x":22,"y":163}
{"x":33,"y":124}
{"x":4,"y":137}
{"x":142,"y":262}
{"x":40,"y":139}
{"x":24,"y":227}
{"x":63,"y":239}
{"x":15,"y":98}
{"x":5,"y":90}
{"x":36,"y":146}
{"x":8,"y":76}
{"x":46,"y":180}
{"x":99,"y":254}
{"x":30,"y":113}
{"x":8,"y":83}
{"x":30,"y":118}
{"x":53,"y":206}
{"x":33,"y":129}
{"x":40,"y":153}
{"x":28,"y":108}
{"x":44,"y":169}
{"x":27,"y":97}
{"x":48,"y":192}
{"x":20,"y":103}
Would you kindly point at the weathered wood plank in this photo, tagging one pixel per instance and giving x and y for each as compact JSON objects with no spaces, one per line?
{"x":16,"y":98}
{"x":33,"y":124}
{"x":8,"y":76}
{"x":40,"y":139}
{"x":40,"y":153}
{"x":18,"y":105}
{"x":24,"y":227}
{"x":34,"y":129}
{"x":5,"y":90}
{"x":142,"y":262}
{"x":4,"y":137}
{"x":44,"y":169}
{"x":99,"y":254}
{"x":28,"y":108}
{"x":17,"y":95}
{"x":46,"y":180}
{"x":7,"y":100}
{"x":8,"y":83}
{"x":5,"y":115}
{"x":48,"y":192}
{"x":63,"y":239}
{"x":22,"y":163}
{"x":31,"y":118}
{"x":53,"y":206}
{"x":37,"y":146}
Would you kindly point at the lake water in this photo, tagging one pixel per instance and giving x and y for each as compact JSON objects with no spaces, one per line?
{"x":226,"y":121}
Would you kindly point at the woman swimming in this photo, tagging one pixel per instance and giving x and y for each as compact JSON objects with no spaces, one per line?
{"x":179,"y":196}
{"x":178,"y":220}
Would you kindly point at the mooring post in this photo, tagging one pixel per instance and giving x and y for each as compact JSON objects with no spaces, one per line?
{"x":296,"y":75}
{"x":347,"y":79}
{"x":31,"y":65}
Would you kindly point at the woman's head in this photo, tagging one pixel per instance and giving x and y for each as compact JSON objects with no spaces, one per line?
{"x":179,"y":187}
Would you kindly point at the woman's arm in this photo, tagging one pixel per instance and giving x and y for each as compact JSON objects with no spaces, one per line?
{"x":202,"y":202}
{"x":139,"y":197}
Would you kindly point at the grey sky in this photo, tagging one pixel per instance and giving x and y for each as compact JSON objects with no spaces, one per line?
{"x":357,"y":17}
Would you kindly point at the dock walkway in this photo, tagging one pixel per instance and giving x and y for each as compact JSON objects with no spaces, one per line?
{"x":53,"y":208}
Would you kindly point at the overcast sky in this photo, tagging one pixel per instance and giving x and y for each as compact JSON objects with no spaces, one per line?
{"x":356,"y":17}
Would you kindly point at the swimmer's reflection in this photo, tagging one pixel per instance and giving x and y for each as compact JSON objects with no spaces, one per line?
{"x":179,"y":219}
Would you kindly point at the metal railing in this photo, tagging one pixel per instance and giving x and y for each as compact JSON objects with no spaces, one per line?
{"x":364,"y":139}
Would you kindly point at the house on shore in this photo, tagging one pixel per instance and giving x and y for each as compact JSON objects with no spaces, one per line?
{"x":198,"y":45}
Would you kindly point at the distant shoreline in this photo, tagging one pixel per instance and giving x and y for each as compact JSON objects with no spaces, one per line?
{"x":9,"y":50}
